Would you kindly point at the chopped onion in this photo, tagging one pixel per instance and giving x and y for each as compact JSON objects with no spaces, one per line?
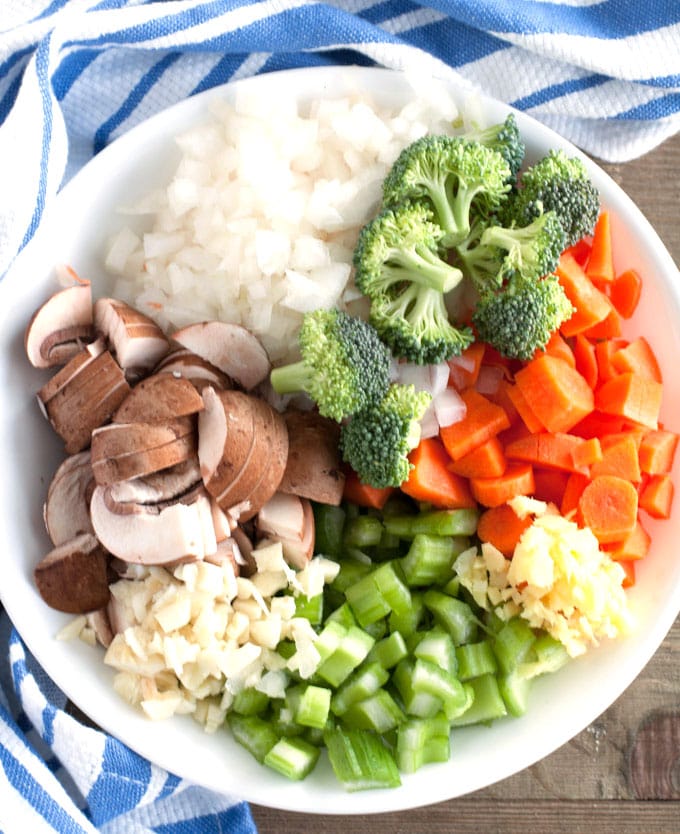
{"x":449,"y":407}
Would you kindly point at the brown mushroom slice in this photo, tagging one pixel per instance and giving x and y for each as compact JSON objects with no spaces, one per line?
{"x":100,"y":624}
{"x":60,"y":327}
{"x":157,"y":398}
{"x":290,"y":520}
{"x":226,"y":552}
{"x":83,"y":395}
{"x":229,"y":347}
{"x":313,"y":468}
{"x":73,"y":577}
{"x":122,"y":451}
{"x":66,"y":511}
{"x":154,"y":534}
{"x":136,"y":339}
{"x":185,"y":364}
{"x":273,"y":472}
{"x":160,"y":487}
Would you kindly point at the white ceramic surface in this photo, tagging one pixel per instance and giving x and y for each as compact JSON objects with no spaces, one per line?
{"x":74,"y":232}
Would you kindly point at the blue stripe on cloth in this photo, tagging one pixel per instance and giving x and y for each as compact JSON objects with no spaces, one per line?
{"x":70,"y":69}
{"x":7,"y":65}
{"x":123,"y":781}
{"x":471,"y":46}
{"x":48,"y":716}
{"x":146,"y":82}
{"x":53,"y":7}
{"x":221,"y":72}
{"x":658,"y":108}
{"x":170,"y":786}
{"x":553,"y":91}
{"x":9,"y":98}
{"x":235,"y":819}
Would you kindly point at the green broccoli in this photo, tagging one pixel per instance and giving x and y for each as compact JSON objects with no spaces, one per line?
{"x":556,"y":183}
{"x":376,"y":441}
{"x":519,"y":319}
{"x":399,"y":267}
{"x":505,"y":138}
{"x":455,"y":176}
{"x":344,"y":365}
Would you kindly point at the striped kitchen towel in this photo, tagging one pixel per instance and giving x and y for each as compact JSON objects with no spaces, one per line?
{"x":75,"y":74}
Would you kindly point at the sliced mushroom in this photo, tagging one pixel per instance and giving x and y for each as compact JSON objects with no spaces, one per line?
{"x":83,"y":395}
{"x":313,"y":468}
{"x":73,"y":577}
{"x":154,"y":534}
{"x":227,"y":552}
{"x":122,"y":451}
{"x":229,"y":347}
{"x":58,"y":329}
{"x":160,"y":487}
{"x":137,"y":341}
{"x":185,"y":364}
{"x":67,"y":507}
{"x":157,"y":398}
{"x":100,"y":624}
{"x":289,"y":520}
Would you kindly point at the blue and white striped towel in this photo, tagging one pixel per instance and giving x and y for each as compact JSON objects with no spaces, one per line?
{"x":75,"y":74}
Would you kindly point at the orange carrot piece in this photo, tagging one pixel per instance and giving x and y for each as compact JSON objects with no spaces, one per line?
{"x":608,"y":506}
{"x":591,"y":305}
{"x":587,"y":453}
{"x":637,"y":357}
{"x":656,"y":497}
{"x":547,"y":449}
{"x":657,"y":451}
{"x":600,"y":266}
{"x":485,"y":461}
{"x":364,"y":495}
{"x":502,"y":397}
{"x":518,"y":479}
{"x":580,"y":251}
{"x":604,"y":351}
{"x":550,"y":484}
{"x":585,"y":359}
{"x":597,"y":424}
{"x":625,"y":292}
{"x":518,"y":400}
{"x":502,"y":527}
{"x":572,"y":494}
{"x":633,"y":547}
{"x":464,"y":370}
{"x":628,"y":566}
{"x":633,"y":397}
{"x":431,"y":481}
{"x":557,"y":346}
{"x":483,"y":420}
{"x":556,"y":393}
{"x":619,"y":457}
{"x":608,"y":328}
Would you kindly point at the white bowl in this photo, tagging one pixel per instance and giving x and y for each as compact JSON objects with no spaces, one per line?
{"x":74,"y":232}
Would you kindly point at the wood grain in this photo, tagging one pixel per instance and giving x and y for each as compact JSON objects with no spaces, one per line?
{"x":622,"y":773}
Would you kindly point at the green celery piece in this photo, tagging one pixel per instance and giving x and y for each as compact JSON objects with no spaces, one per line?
{"x":311,"y":608}
{"x":329,"y":522}
{"x":407,"y":623}
{"x":379,"y":712}
{"x":514,"y":689}
{"x":313,"y":707}
{"x":294,"y":758}
{"x":513,"y":643}
{"x":363,"y":683}
{"x":547,"y":655}
{"x":475,"y":659}
{"x":360,"y":760}
{"x":329,"y":638}
{"x":250,"y":702}
{"x":487,"y":702}
{"x":429,"y":559}
{"x":254,"y":733}
{"x":350,"y":652}
{"x":437,"y":646}
{"x":453,"y":615}
{"x":417,"y":703}
{"x":389,"y":651}
{"x":429,"y":678}
{"x":366,"y":601}
{"x":343,"y":615}
{"x":462,"y":522}
{"x":363,"y":531}
{"x":452,"y":587}
{"x":422,"y":741}
{"x":393,"y":590}
{"x":351,"y":572}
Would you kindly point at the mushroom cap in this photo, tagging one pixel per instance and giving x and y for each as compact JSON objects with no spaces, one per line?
{"x":137,"y":341}
{"x":66,"y":511}
{"x":74,"y":576}
{"x":59,"y":327}
{"x":157,"y":398}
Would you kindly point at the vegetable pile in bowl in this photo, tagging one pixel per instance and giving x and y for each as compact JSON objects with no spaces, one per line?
{"x":406,"y":475}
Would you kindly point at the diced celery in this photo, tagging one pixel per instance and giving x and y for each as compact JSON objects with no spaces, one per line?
{"x":379,"y":712}
{"x":487,"y":703}
{"x":437,"y":646}
{"x":360,"y":685}
{"x":329,"y":522}
{"x":422,"y":741}
{"x":429,"y":559}
{"x":351,"y":650}
{"x":311,"y":608}
{"x":392,"y":588}
{"x":475,"y":659}
{"x":362,"y":532}
{"x":427,"y":677}
{"x":351,"y":571}
{"x":328,"y":639}
{"x":294,"y":758}
{"x":389,"y":651}
{"x":360,"y":760}
{"x":367,"y":602}
{"x":512,"y":644}
{"x":514,"y":689}
{"x":313,"y":707}
{"x":462,"y":522}
{"x":343,"y":615}
{"x":547,"y":655}
{"x":453,"y":615}
{"x":452,"y":587}
{"x":250,"y":702}
{"x":419,"y":703}
{"x":407,"y":622}
{"x":378,"y":629}
{"x":254,"y":733}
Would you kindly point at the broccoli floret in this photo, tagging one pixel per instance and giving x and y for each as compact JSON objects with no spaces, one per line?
{"x":398,"y":266}
{"x":505,"y":138}
{"x":556,"y":183}
{"x":344,"y":365}
{"x":454,"y":175}
{"x":376,"y":441}
{"x":519,"y":319}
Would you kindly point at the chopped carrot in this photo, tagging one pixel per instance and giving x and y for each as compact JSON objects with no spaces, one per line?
{"x":364,"y":495}
{"x":554,"y":450}
{"x":590,"y":304}
{"x":572,"y":494}
{"x":502,"y":527}
{"x":557,"y":346}
{"x":430,"y":480}
{"x":628,"y":566}
{"x":485,"y":461}
{"x":632,"y":396}
{"x":619,"y":458}
{"x":518,"y":479}
{"x":549,"y":484}
{"x":604,"y":351}
{"x":483,"y":420}
{"x":464,"y":370}
{"x":585,"y":359}
{"x":502,"y":397}
{"x":633,"y":547}
{"x":587,"y":453}
{"x":608,"y":328}
{"x":600,"y":266}
{"x":656,"y":496}
{"x":637,"y":357}
{"x":556,"y":393}
{"x":625,"y":291}
{"x":597,"y":424}
{"x":608,"y":506}
{"x":580,"y":251}
{"x":657,"y":451}
{"x":518,"y":400}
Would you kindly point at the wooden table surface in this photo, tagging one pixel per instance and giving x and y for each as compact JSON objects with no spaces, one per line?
{"x":621,"y":775}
